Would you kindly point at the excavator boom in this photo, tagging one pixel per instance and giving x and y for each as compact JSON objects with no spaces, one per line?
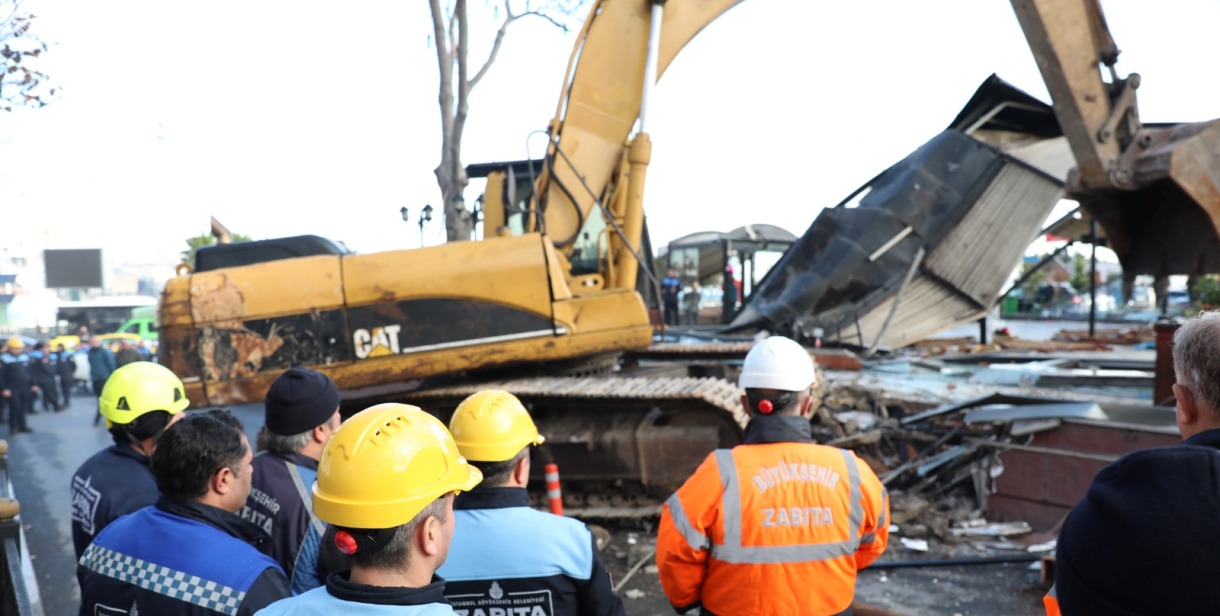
{"x":1150,"y":188}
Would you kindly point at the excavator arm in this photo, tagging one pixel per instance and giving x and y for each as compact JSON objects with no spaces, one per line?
{"x":1154,"y":190}
{"x":593,"y":161}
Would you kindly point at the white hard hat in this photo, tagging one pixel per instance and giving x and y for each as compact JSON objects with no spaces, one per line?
{"x":777,"y":363}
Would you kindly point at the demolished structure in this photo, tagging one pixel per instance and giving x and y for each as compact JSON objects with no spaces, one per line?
{"x":929,"y":243}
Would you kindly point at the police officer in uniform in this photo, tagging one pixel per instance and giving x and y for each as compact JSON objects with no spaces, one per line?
{"x":387,"y":480}
{"x":139,"y":401}
{"x":44,"y":365}
{"x":504,"y":553}
{"x":66,"y":370}
{"x":190,"y":553}
{"x":778,"y":525}
{"x":17,"y":385}
{"x":301,"y":413}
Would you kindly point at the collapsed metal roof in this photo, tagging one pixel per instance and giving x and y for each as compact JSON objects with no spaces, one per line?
{"x":928,"y":243}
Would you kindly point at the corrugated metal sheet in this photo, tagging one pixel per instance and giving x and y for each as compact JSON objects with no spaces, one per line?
{"x":1050,"y":156}
{"x":980,"y":253}
{"x":963,"y":275}
{"x":925,"y":308}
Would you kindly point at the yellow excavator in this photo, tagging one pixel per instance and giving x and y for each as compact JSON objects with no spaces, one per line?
{"x":432,"y":324}
{"x":547,"y":302}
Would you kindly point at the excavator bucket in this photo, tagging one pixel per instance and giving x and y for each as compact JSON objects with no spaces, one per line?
{"x":1170,"y":224}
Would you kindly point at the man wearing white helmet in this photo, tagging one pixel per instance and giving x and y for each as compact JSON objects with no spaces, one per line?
{"x":779,"y":524}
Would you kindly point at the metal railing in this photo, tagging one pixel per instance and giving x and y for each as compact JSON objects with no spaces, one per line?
{"x":15,"y":596}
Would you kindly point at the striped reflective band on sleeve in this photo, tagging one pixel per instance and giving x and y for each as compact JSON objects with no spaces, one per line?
{"x":868,"y":538}
{"x":733,"y":552}
{"x":163,"y":580}
{"x":730,"y":507}
{"x":696,"y":541}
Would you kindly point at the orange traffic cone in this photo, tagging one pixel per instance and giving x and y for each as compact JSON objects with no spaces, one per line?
{"x":553,"y":495}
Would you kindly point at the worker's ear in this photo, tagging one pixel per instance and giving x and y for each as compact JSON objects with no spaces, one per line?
{"x":430,"y":536}
{"x":745,"y":404}
{"x":322,"y":433}
{"x":806,"y":404}
{"x":521,"y":472}
{"x":1187,"y":407}
{"x":223,"y":480}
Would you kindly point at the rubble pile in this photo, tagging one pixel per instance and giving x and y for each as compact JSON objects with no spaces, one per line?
{"x":937,"y":468}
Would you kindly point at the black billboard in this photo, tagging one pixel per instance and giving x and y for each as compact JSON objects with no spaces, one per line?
{"x":73,"y":268}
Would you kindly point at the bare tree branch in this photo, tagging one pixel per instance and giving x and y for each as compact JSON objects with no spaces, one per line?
{"x":451,"y":31}
{"x":495,"y":48}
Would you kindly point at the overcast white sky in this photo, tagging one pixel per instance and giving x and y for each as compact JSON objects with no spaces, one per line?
{"x":283,"y":118}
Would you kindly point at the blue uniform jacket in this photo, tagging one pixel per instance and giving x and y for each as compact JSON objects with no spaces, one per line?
{"x":280,"y":504}
{"x":43,"y":366}
{"x":179,"y":558}
{"x":15,"y":371}
{"x":508,"y":556}
{"x":114,"y":482}
{"x":341,"y":596}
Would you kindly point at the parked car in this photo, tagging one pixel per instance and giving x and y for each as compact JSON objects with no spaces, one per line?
{"x":1177,"y":301}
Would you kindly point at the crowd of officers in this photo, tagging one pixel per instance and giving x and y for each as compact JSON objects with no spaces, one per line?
{"x":28,"y":373}
{"x":391,"y":511}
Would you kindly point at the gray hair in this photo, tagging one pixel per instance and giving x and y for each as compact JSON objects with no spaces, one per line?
{"x":281,"y":444}
{"x":1196,"y":358}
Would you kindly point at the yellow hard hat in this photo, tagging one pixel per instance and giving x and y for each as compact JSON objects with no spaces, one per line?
{"x":493,"y":426}
{"x":384,"y":465}
{"x":138,"y":388}
{"x":16,"y":343}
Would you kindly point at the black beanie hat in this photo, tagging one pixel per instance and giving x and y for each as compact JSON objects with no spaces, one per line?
{"x":300,"y":400}
{"x":1145,"y":539}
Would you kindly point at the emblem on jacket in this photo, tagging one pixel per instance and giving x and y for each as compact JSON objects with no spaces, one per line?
{"x":84,"y":503}
{"x":496,"y":592}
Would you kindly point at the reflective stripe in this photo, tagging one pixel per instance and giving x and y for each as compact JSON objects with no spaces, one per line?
{"x":780,"y":554}
{"x":303,"y":492}
{"x":733,"y":552}
{"x":163,"y":580}
{"x":868,"y":538}
{"x":885,"y":502}
{"x":684,"y":526}
{"x":856,"y":499}
{"x":731,"y":500}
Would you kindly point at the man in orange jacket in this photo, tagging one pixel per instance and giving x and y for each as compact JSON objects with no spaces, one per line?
{"x":780,"y":524}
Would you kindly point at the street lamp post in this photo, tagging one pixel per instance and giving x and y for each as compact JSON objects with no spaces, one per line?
{"x":424,"y":217}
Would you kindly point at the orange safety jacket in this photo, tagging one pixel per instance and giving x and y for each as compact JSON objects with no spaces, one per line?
{"x":1051,"y":603}
{"x":779,"y":525}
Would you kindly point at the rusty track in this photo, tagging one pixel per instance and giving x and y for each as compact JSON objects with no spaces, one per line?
{"x":623,"y":443}
{"x":693,"y":351}
{"x":715,"y":392}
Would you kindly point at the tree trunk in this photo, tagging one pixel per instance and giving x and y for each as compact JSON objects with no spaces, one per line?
{"x":450,"y":173}
{"x":451,"y":33}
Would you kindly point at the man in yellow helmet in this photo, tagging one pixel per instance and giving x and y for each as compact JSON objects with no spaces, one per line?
{"x":508,"y":558}
{"x":139,"y":401}
{"x":17,"y":384}
{"x":387,"y":479}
